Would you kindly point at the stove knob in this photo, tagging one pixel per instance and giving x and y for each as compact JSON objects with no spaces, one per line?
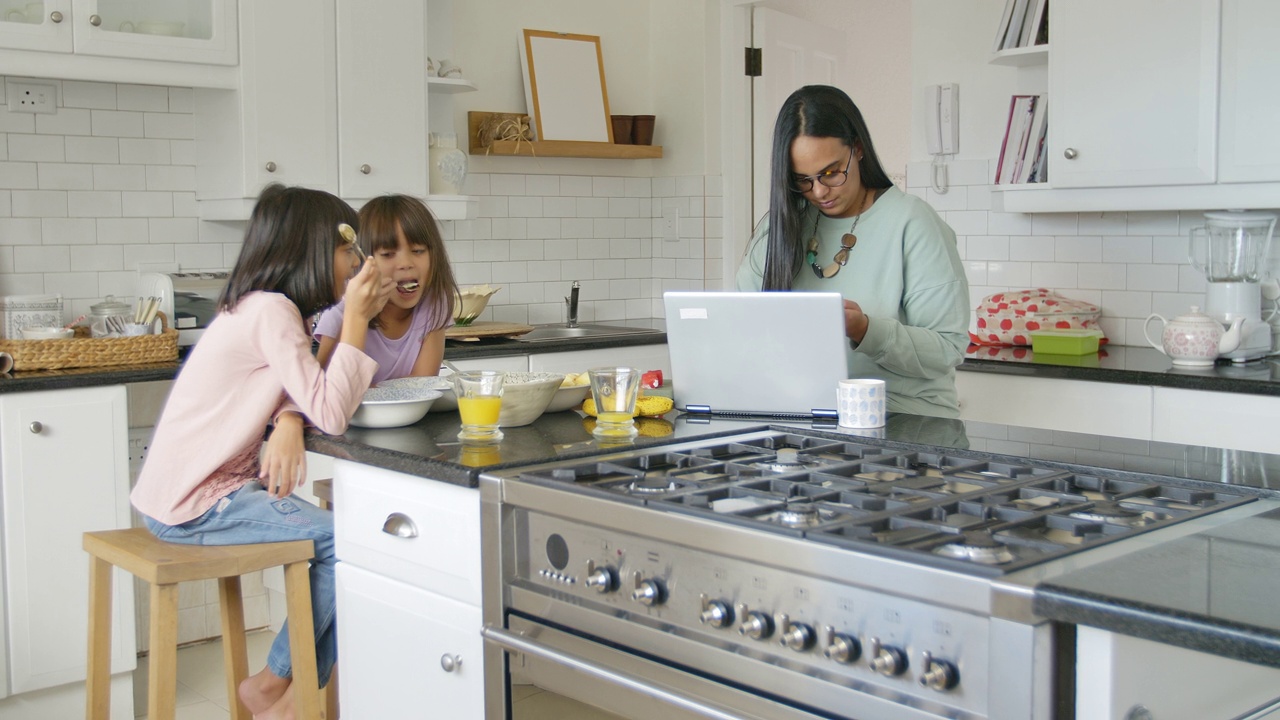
{"x":798,"y":637}
{"x":938,"y":674}
{"x":601,"y":579}
{"x":716,"y":613}
{"x":649,"y":592}
{"x":756,"y":625}
{"x":840,"y":647}
{"x":885,"y":659}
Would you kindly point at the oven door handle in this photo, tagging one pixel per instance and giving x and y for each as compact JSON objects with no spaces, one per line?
{"x":519,"y":643}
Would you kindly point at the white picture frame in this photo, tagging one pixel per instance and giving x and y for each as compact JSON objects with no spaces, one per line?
{"x":565,"y":87}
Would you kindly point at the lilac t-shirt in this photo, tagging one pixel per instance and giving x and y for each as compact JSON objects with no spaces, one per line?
{"x":395,"y":358}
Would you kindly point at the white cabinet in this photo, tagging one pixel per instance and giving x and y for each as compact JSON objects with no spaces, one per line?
{"x":96,"y":39}
{"x":1250,"y":145}
{"x":64,"y":471}
{"x":333,"y":96}
{"x":641,"y":357}
{"x":408,"y":595}
{"x":1130,"y":106}
{"x":405,"y":650}
{"x":1215,"y":419}
{"x":1115,"y":673}
{"x":1052,"y":404}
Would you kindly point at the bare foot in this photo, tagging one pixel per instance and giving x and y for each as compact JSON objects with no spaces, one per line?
{"x":262,"y":691}
{"x":281,"y":710}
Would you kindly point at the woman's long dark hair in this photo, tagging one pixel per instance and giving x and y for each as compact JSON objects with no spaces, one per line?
{"x":289,"y":247}
{"x":381,"y":221}
{"x":813,"y":111}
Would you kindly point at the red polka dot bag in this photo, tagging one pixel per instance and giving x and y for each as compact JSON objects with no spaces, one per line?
{"x":1008,"y":318}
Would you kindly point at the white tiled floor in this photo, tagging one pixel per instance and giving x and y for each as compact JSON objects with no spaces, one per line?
{"x":202,"y":690}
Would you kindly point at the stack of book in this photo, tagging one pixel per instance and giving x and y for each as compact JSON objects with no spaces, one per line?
{"x":1024,"y":23}
{"x":1022,"y":155}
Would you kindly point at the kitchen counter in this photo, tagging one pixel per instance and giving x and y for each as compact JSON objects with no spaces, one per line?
{"x":1213,"y":592}
{"x":1128,"y":366}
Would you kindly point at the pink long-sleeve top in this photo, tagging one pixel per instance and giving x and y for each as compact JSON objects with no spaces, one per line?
{"x":249,"y":364}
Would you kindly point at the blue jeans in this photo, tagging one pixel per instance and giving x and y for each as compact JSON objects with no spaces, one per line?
{"x":251,"y":515}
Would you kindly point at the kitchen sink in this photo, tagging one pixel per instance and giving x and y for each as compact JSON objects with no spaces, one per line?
{"x":563,"y":332}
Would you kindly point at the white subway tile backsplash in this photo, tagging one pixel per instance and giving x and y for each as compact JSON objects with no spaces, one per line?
{"x":1151,"y":277}
{"x":68,"y":231}
{"x":624,"y":207}
{"x":146,"y":204}
{"x":1109,"y":223}
{"x":93,"y":150}
{"x":148,"y":98}
{"x":76,"y":288}
{"x":67,"y":121}
{"x":543,"y":185}
{"x":36,"y":148}
{"x":19,"y":231}
{"x":1054,"y":275}
{"x":1055,"y":224}
{"x":608,"y":187}
{"x":6,"y":203}
{"x":167,"y":125}
{"x":41,"y":258}
{"x":175,"y":231}
{"x":527,"y":250}
{"x":1075,"y":249}
{"x":1009,"y":275}
{"x":17,"y":123}
{"x":19,"y":175}
{"x":142,"y":151}
{"x":986,"y":247}
{"x":1125,"y":249}
{"x":198,"y":256}
{"x":65,"y":176}
{"x":1101,"y":276}
{"x":95,"y":204}
{"x":184,"y":205}
{"x":114,"y":123}
{"x":525,"y":207}
{"x":173,"y":178}
{"x":135,"y":255}
{"x":181,"y":100}
{"x":575,"y":186}
{"x":1026,"y":249}
{"x":39,"y":203}
{"x":510,"y":228}
{"x":592,"y":207}
{"x":95,"y":96}
{"x":1001,"y":223}
{"x":557,"y":249}
{"x":638,"y":187}
{"x":1153,"y":223}
{"x":492,"y":206}
{"x":98,"y":258}
{"x":507,"y":184}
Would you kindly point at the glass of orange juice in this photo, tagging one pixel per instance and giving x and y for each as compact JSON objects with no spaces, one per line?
{"x":614,"y":391}
{"x":479,"y":403}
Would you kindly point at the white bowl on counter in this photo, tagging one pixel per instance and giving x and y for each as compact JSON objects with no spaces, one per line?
{"x":569,"y":397}
{"x":443,"y":385}
{"x":525,"y":396}
{"x":389,"y":407}
{"x":47,"y":333}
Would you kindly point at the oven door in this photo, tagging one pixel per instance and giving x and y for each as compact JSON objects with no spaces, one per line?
{"x":625,"y":684}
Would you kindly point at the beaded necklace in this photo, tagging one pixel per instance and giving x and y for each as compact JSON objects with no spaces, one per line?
{"x":841,"y":258}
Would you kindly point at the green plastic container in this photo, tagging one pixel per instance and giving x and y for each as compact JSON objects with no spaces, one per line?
{"x":1065,"y":342}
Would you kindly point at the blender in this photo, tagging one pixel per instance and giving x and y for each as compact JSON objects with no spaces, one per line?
{"x":1231,"y":250}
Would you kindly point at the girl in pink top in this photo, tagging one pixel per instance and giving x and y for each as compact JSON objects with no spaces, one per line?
{"x":407,"y":337}
{"x":203,"y":482}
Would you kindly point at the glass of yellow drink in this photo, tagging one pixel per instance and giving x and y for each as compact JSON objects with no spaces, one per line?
{"x":614,"y":391}
{"x":479,"y":404}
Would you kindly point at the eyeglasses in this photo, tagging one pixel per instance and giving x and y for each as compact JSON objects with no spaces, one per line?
{"x":829,"y":178}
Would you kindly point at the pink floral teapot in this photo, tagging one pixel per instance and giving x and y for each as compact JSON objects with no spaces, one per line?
{"x":1194,"y":338}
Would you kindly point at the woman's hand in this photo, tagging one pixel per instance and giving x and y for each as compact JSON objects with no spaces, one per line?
{"x":283,"y":466}
{"x":367,"y":292}
{"x":855,"y":322}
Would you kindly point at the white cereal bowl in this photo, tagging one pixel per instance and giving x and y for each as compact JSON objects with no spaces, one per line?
{"x":47,"y":333}
{"x":525,"y":396}
{"x":443,"y":385}
{"x":569,"y":398}
{"x":388,"y":407}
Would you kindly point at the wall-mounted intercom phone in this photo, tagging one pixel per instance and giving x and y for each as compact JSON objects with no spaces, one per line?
{"x":942,"y":128}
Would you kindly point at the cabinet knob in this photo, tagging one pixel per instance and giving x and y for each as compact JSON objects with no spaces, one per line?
{"x":450,"y":662}
{"x":36,"y":427}
{"x":55,"y":16}
{"x":1070,"y":153}
{"x":270,"y":166}
{"x":95,"y":20}
{"x":365,"y":169}
{"x":400,"y":525}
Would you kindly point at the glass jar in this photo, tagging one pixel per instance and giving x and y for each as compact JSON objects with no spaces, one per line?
{"x":108,"y":318}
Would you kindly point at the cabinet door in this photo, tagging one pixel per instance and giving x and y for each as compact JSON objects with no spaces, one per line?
{"x":382,"y":97}
{"x":1053,"y":404}
{"x":1133,"y":92}
{"x":65,"y":471}
{"x":642,"y":357}
{"x":192,"y":31}
{"x":395,"y":642}
{"x":40,"y":25}
{"x":1250,"y":105}
{"x":281,"y":125}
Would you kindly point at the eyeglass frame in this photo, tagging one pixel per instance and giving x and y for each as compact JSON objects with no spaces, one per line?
{"x":817,"y":177}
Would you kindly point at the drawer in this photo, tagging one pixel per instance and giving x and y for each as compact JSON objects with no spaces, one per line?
{"x":413,"y":529}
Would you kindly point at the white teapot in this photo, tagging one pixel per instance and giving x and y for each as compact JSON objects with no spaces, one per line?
{"x":1194,"y":338}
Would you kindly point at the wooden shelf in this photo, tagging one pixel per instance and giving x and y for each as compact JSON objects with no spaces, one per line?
{"x":554,"y":148}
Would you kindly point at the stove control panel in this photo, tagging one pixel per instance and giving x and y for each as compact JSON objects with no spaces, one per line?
{"x":736,"y":607}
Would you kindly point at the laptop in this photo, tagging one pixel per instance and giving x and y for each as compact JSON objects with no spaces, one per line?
{"x":756,"y":354}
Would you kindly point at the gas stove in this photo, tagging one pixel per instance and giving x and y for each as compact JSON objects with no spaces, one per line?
{"x":786,"y":574}
{"x":969,"y":515}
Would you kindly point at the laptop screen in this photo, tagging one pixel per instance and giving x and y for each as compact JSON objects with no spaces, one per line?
{"x":768,"y":354}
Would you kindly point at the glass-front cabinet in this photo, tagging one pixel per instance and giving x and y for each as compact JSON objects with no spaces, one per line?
{"x":186,"y":31}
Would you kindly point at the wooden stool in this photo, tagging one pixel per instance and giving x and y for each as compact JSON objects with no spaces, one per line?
{"x":164,"y":565}
{"x":323,"y":490}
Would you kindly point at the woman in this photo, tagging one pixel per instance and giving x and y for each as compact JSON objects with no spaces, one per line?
{"x":836,"y":223}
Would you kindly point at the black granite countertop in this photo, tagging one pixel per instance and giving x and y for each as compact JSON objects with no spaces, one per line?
{"x":1215,"y":592}
{"x":1128,"y":366}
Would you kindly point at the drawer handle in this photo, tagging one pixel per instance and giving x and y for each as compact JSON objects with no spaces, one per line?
{"x":400,"y":525}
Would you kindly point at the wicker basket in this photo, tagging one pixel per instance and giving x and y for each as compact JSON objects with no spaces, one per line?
{"x":83,"y":351}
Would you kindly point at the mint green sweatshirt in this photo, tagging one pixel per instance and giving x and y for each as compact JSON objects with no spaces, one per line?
{"x":906,"y":275}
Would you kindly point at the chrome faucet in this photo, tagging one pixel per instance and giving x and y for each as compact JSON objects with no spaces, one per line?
{"x":572,"y":303}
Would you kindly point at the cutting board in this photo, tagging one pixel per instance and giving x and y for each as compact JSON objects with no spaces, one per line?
{"x":482,"y":329}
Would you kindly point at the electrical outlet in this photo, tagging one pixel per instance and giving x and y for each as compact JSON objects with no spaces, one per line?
{"x":671,"y":224}
{"x":27,"y":97}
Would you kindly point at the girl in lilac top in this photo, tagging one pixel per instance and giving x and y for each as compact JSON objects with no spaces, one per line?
{"x":407,"y":337}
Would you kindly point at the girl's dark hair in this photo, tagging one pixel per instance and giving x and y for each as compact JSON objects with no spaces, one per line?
{"x":289,"y":248}
{"x":383,"y":219}
{"x":813,"y":111}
